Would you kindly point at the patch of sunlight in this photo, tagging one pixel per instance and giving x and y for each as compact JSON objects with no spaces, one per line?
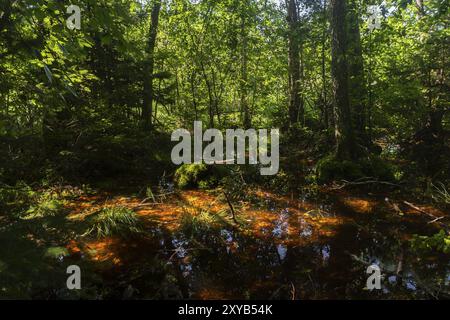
{"x":359,"y":205}
{"x":104,"y":250}
{"x":56,"y":252}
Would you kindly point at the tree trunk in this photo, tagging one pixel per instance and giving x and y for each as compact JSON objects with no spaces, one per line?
{"x":358,"y":89}
{"x":147,"y":110}
{"x":244,"y":74}
{"x":295,"y":104}
{"x":325,"y":111}
{"x":210,"y":95}
{"x":339,"y":71}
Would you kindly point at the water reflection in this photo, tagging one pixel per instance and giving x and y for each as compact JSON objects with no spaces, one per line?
{"x":281,"y":224}
{"x":282,"y":251}
{"x":306,"y":230}
{"x":283,"y":247}
{"x":231,"y":245}
{"x":322,"y":270}
{"x":181,"y":253}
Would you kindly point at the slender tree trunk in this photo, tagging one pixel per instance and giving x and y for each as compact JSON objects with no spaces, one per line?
{"x":244,"y":74}
{"x":436,"y":83}
{"x":339,"y":71}
{"x":194,"y":100}
{"x":369,"y":90}
{"x":147,"y":110}
{"x":210,"y":95}
{"x":295,"y":104}
{"x":358,"y":89}
{"x":325,"y":111}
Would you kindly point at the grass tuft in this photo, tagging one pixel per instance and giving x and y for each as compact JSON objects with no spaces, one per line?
{"x":114,"y":220}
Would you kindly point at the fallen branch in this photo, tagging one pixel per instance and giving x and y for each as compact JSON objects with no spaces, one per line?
{"x":418,"y":209}
{"x":429,"y":289}
{"x":231,"y":207}
{"x":143,"y":205}
{"x":359,"y":182}
{"x":153,"y":197}
{"x":435,"y":219}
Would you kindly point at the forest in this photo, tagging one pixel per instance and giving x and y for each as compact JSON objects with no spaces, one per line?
{"x":347,"y":100}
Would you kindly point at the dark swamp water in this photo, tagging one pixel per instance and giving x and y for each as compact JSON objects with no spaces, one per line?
{"x":280,"y":249}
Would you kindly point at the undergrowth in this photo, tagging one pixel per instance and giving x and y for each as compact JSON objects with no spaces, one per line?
{"x":114,"y":220}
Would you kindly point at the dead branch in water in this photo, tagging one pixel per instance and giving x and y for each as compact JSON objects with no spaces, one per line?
{"x":432,"y":216}
{"x":231,"y":207}
{"x":428,"y":288}
{"x":364,"y":181}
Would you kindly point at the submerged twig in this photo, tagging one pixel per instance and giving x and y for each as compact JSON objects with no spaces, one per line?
{"x":363,"y":182}
{"x":231,"y":207}
{"x":435,"y":218}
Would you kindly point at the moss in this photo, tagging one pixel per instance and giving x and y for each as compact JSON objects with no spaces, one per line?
{"x":330,"y":168}
{"x":199,"y":176}
{"x":374,"y":166}
{"x":56,"y":252}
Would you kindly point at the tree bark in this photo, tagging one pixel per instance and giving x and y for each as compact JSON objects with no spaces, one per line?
{"x":244,"y":74}
{"x":295,"y":103}
{"x":325,"y":111}
{"x":339,"y":71}
{"x":358,"y":89}
{"x":147,"y":110}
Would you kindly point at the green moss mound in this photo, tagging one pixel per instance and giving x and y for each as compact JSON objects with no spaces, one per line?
{"x":199,"y":176}
{"x":331,"y":169}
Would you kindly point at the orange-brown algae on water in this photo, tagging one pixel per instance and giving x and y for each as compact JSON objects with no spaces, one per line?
{"x":212,"y":293}
{"x":360,"y":205}
{"x":432,"y":211}
{"x":85,"y":206}
{"x":101,"y":250}
{"x":260,"y":222}
{"x":167,"y":214}
{"x":275,"y":236}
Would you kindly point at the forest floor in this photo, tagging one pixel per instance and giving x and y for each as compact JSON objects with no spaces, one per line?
{"x":189,"y":246}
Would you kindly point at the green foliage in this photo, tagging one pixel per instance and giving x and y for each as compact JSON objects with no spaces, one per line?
{"x":188,"y":175}
{"x":22,"y":201}
{"x":14,"y":196}
{"x":73,"y":99}
{"x":332,"y":169}
{"x":44,"y":207}
{"x":440,"y":194}
{"x":114,"y":221}
{"x":56,"y":252}
{"x":199,"y":175}
{"x":197,"y":225}
{"x":439,"y":242}
{"x":71,"y":108}
{"x":46,"y":203}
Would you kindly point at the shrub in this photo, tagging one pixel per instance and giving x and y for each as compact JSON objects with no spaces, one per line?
{"x":21,"y":201}
{"x":198,"y":175}
{"x":439,"y":242}
{"x":330,"y":168}
{"x":440,"y":194}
